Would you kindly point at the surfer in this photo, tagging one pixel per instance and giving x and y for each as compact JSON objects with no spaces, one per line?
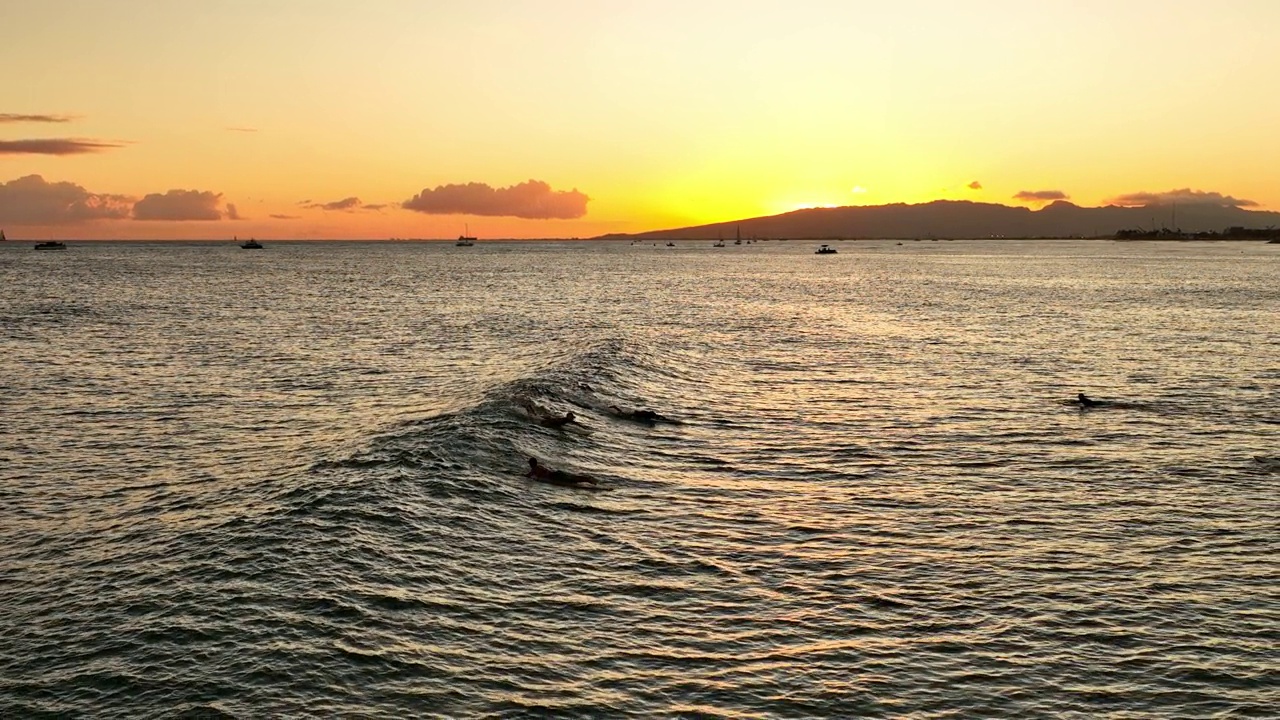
{"x":557,"y":477}
{"x":645,"y":416}
{"x":1088,"y":402}
{"x":559,"y":422}
{"x":545,"y":417}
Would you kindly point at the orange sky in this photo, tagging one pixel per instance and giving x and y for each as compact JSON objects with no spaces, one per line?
{"x":559,"y":118}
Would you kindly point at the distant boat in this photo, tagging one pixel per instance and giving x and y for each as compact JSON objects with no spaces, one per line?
{"x":51,"y":245}
{"x":2,"y":237}
{"x":465,"y":240}
{"x":825,"y":250}
{"x":737,"y":240}
{"x":671,"y":244}
{"x":718,"y":243}
{"x":251,"y":244}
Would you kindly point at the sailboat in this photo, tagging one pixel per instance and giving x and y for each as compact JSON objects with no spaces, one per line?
{"x":2,"y":237}
{"x":465,"y":240}
{"x":737,"y":240}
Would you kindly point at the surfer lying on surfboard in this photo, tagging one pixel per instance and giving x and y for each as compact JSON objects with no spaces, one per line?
{"x":545,"y":417}
{"x":644,"y":416}
{"x":1087,"y":402}
{"x":558,"y":422}
{"x":557,"y":477}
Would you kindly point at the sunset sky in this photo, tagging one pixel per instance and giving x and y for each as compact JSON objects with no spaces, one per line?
{"x":574,"y":118}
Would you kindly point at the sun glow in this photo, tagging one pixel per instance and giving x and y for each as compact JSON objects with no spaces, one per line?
{"x":646,"y":116}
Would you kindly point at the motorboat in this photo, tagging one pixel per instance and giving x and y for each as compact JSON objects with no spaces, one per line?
{"x":51,"y":245}
{"x":825,"y":250}
{"x":250,"y":244}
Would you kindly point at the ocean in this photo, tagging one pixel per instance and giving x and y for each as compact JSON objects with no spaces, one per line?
{"x":290,"y":482}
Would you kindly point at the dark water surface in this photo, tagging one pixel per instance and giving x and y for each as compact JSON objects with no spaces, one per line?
{"x":288,"y":483}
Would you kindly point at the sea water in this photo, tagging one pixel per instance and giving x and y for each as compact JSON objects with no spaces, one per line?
{"x":290,"y":482}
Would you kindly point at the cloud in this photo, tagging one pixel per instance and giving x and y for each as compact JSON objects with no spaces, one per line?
{"x":531,"y":199}
{"x":54,"y":146}
{"x":349,"y":204}
{"x":31,"y":200}
{"x":975,"y":185}
{"x":1185,"y":196}
{"x":17,"y":118}
{"x":1040,"y":196}
{"x":179,"y":205}
{"x":232,"y":213}
{"x":275,"y":216}
{"x":345,"y":204}
{"x":233,"y":128}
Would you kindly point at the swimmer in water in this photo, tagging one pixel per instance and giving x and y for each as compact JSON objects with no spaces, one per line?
{"x":557,"y":477}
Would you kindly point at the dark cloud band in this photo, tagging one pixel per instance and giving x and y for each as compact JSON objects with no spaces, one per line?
{"x":55,"y":146}
{"x":20,"y":118}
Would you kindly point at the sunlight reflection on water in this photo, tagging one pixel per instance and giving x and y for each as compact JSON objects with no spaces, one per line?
{"x":289,"y":482}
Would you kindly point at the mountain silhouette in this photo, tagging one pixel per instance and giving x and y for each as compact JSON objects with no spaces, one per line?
{"x":965,"y":219}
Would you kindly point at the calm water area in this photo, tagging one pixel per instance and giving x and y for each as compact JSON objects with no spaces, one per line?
{"x":290,"y":482}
